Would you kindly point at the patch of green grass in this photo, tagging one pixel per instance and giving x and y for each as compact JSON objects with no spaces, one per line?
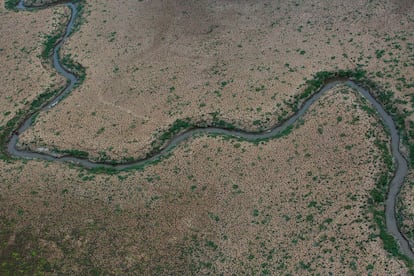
{"x":80,"y":9}
{"x":11,"y":4}
{"x":24,"y":256}
{"x":178,"y":126}
{"x":104,"y":170}
{"x":319,"y":79}
{"x":377,"y":203}
{"x":7,"y":130}
{"x":73,"y":152}
{"x":49,"y":44}
{"x":74,"y":67}
{"x":43,"y":98}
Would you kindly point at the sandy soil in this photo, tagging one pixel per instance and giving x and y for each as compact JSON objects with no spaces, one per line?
{"x":149,"y":63}
{"x":406,"y":208}
{"x":292,"y":205}
{"x":295,"y":205}
{"x":24,"y":74}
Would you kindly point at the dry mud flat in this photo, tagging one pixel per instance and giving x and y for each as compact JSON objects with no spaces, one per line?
{"x":297,"y":204}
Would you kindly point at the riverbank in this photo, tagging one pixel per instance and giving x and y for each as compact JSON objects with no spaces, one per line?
{"x":180,"y":137}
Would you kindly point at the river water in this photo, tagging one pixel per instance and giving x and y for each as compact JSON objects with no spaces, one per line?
{"x":399,"y":160}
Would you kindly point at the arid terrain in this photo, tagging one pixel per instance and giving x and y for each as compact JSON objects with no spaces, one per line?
{"x":284,"y":206}
{"x":302,"y":203}
{"x":24,"y":74}
{"x":236,"y":61}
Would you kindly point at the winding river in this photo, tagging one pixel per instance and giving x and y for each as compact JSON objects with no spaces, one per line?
{"x":399,"y":160}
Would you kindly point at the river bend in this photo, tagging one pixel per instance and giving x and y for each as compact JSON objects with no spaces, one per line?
{"x":401,"y":166}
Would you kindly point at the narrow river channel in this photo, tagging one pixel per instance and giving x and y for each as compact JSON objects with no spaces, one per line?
{"x":401,"y":166}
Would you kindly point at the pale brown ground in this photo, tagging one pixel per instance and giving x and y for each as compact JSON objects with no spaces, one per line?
{"x":23,"y":74}
{"x":144,"y":221}
{"x":296,"y":204}
{"x":406,"y":208}
{"x":149,"y":63}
